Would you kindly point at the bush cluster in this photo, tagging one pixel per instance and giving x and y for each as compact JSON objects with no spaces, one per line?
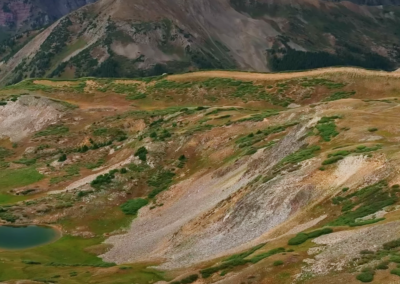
{"x":142,"y":153}
{"x":303,"y":237}
{"x":103,"y":179}
{"x":131,"y":207}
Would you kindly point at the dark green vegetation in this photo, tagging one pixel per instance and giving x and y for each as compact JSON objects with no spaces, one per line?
{"x":131,"y":207}
{"x":366,"y":276}
{"x":299,"y":156}
{"x":300,"y":60}
{"x":42,"y":60}
{"x":239,"y":260}
{"x":339,"y":155}
{"x":53,"y":130}
{"x":103,"y":180}
{"x":389,"y":253}
{"x":187,"y":280}
{"x":327,"y":128}
{"x":363,"y":202}
{"x":303,"y":237}
{"x":160,"y":182}
{"x":141,"y":153}
{"x":254,"y":138}
{"x":340,"y":95}
{"x":278,"y":263}
{"x":261,"y":256}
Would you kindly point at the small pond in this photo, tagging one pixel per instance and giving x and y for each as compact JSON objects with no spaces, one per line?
{"x":23,"y":237}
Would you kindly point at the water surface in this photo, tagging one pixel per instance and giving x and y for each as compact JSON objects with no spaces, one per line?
{"x":13,"y":238}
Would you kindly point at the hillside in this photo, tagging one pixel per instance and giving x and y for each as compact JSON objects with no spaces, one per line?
{"x":136,"y":38}
{"x":22,"y":20}
{"x":371,"y":2}
{"x":205,"y":177}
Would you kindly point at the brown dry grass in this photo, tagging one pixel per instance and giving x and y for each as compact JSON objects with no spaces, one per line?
{"x":55,"y":83}
{"x":347,"y":71}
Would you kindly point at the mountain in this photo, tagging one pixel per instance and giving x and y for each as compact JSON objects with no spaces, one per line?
{"x":203,"y":177}
{"x":22,"y":20}
{"x":133,"y":38}
{"x":371,"y":2}
{"x":18,"y":15}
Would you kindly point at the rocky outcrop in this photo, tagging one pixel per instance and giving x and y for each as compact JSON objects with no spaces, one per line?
{"x":27,"y":115}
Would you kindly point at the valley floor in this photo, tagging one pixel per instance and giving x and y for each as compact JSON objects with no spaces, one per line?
{"x":205,"y":177}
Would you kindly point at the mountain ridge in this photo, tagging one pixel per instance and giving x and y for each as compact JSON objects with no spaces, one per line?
{"x":143,"y":38}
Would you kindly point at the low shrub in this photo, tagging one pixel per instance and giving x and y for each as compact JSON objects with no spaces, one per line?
{"x":317,"y":233}
{"x":9,"y":217}
{"x":340,"y":95}
{"x":160,"y":181}
{"x":339,"y":153}
{"x":62,"y":158}
{"x":31,"y":262}
{"x":263,"y":255}
{"x":99,"y":264}
{"x":300,"y":155}
{"x":207,"y":272}
{"x":190,"y":279}
{"x":26,"y":162}
{"x":332,"y":160}
{"x":327,"y":128}
{"x":246,"y":253}
{"x":366,"y":222}
{"x":238,"y":259}
{"x":53,"y":130}
{"x":142,"y":154}
{"x":364,"y":202}
{"x":103,"y":179}
{"x":395,"y":271}
{"x":298,"y":239}
{"x":251,"y":151}
{"x":131,"y":207}
{"x":365,"y":277}
{"x":395,"y":258}
{"x":392,"y":244}
{"x":303,"y":237}
{"x":277,"y":263}
{"x":382,"y":266}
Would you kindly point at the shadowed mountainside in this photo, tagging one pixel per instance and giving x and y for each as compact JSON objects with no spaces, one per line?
{"x":140,"y":38}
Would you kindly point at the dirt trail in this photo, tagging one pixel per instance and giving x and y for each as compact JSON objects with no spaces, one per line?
{"x":351,"y":71}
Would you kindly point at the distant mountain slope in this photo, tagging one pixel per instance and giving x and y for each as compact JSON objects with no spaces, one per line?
{"x":17,"y":14}
{"x":131,"y":38}
{"x":20,"y":20}
{"x":370,"y":2}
